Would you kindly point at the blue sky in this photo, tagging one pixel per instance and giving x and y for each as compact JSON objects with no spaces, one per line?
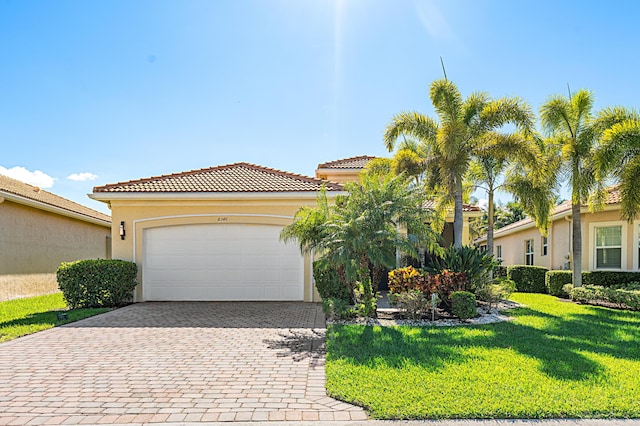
{"x":99,"y":92}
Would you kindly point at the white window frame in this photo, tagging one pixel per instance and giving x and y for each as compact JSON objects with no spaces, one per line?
{"x":499,"y":253}
{"x":527,"y":253}
{"x":544,"y":244}
{"x":592,"y":244}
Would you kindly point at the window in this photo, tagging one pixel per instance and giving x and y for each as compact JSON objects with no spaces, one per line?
{"x":499,"y":253}
{"x":528,"y":252}
{"x":609,"y":247}
{"x":545,"y":244}
{"x":483,"y":248}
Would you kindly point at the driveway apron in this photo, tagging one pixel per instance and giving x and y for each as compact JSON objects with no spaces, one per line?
{"x":173,"y":362}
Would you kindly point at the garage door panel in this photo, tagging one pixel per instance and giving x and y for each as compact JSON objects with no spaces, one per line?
{"x":220,"y":262}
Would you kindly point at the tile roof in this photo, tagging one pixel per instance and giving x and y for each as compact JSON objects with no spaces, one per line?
{"x":347,"y":163}
{"x":237,"y":177}
{"x":612,"y":197}
{"x":12,"y":186}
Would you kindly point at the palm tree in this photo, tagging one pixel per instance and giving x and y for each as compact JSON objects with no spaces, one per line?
{"x":574,"y":133}
{"x":618,"y":156}
{"x":487,"y":169}
{"x":450,"y":143}
{"x":362,"y":231}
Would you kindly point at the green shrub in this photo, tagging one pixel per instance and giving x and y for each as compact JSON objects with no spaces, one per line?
{"x":446,"y":283}
{"x":337,"y":309}
{"x":500,"y":271}
{"x":609,"y":278}
{"x":97,"y":283}
{"x":463,"y":305}
{"x":499,"y":290}
{"x":554,"y":281}
{"x":412,"y":303}
{"x":528,"y":279}
{"x":328,"y":282}
{"x":623,"y":297}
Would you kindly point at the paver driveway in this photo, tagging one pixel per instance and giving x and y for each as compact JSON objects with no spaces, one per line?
{"x":173,"y":362}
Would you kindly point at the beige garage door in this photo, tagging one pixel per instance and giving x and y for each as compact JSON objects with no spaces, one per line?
{"x":220,"y":262}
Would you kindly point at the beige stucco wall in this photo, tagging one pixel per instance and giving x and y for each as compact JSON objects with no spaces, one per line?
{"x":560,"y":241}
{"x":339,"y":175}
{"x":34,"y":242}
{"x":139,"y":215}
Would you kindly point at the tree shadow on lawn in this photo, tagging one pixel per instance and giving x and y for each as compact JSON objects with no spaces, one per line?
{"x":559,"y":344}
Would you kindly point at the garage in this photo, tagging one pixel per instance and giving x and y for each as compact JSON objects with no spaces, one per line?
{"x":205,"y":262}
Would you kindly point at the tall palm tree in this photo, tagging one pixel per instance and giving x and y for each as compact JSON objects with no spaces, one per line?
{"x":451,"y":142}
{"x":487,"y":171}
{"x":574,"y":132}
{"x":618,"y":156}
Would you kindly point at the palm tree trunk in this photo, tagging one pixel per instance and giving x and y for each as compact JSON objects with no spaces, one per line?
{"x":490,"y":224}
{"x":457,"y":216}
{"x":576,"y":265}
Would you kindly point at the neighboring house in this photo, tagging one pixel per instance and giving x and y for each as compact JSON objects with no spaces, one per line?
{"x":213,"y":234}
{"x":343,"y":171}
{"x":608,"y":242}
{"x":38,"y":231}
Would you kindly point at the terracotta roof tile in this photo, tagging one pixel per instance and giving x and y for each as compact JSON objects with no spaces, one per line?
{"x":16,"y":187}
{"x":347,"y":163}
{"x":237,"y":177}
{"x":612,"y":197}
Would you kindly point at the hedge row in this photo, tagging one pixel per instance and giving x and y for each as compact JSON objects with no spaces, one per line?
{"x":623,"y":297}
{"x":528,"y":279}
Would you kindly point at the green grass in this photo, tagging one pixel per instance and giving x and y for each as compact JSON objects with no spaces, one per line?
{"x":555,"y":359}
{"x":20,"y":317}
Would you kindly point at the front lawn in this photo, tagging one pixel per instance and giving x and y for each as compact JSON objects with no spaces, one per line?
{"x":20,"y":317}
{"x":555,"y":359}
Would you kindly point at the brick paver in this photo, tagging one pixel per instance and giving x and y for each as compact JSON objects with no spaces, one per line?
{"x":173,"y":362}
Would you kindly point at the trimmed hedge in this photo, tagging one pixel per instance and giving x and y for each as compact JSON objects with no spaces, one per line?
{"x":593,"y":294}
{"x":97,"y":283}
{"x":528,"y":279}
{"x":555,"y":280}
{"x":609,"y":278}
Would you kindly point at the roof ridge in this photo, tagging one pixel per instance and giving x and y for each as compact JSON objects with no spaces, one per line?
{"x":37,"y":189}
{"x":343,"y":160}
{"x":256,"y":167}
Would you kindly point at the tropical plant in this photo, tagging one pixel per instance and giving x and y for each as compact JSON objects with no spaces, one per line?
{"x":474,"y":263}
{"x":573,"y":134}
{"x":361,"y":233}
{"x":618,"y":156}
{"x":448,"y":145}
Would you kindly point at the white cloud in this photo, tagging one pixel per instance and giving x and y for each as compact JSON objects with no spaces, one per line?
{"x":36,"y":178}
{"x":82,"y":177}
{"x":483,"y":203}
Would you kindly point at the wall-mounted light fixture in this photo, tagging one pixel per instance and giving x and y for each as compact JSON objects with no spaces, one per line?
{"x":122,"y":232}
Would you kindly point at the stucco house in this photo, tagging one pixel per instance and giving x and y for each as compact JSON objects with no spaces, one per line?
{"x":608,"y":241}
{"x":38,"y":231}
{"x":213,"y":234}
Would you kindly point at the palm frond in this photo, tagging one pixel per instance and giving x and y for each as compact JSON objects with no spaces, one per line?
{"x":411,"y":124}
{"x":446,"y":100}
